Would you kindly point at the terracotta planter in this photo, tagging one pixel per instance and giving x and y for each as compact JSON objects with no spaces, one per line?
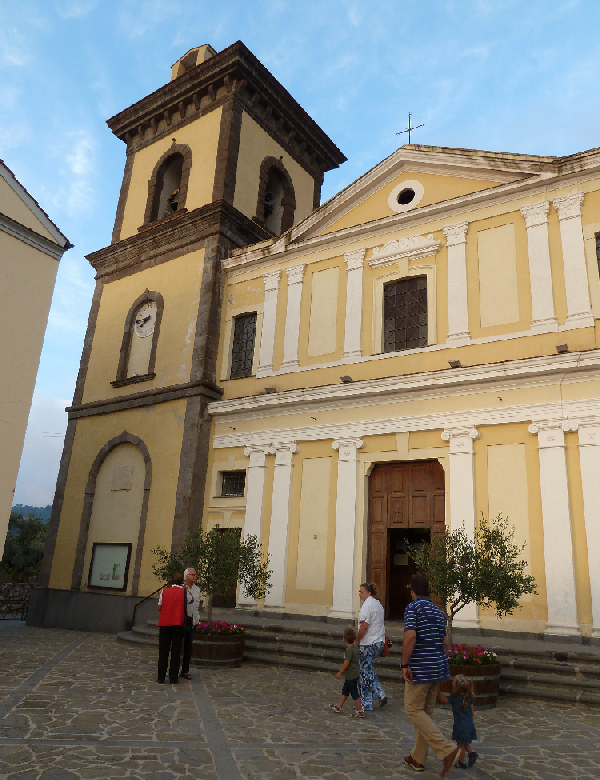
{"x":485,"y":680}
{"x":218,"y":650}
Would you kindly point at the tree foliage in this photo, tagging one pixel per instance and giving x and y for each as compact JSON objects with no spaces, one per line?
{"x":488,"y":569}
{"x":222,"y":559}
{"x":24,"y":547}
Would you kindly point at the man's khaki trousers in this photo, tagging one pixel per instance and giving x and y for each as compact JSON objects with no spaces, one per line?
{"x":419,"y":701}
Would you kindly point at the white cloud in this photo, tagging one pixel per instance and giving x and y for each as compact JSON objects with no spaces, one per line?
{"x":75,"y":9}
{"x":42,"y":449}
{"x":78,"y":150}
{"x":15,"y":48}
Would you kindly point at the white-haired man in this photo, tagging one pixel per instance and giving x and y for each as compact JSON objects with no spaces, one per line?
{"x":193,"y":614}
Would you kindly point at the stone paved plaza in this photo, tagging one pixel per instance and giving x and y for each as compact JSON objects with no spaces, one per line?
{"x":77,"y":705}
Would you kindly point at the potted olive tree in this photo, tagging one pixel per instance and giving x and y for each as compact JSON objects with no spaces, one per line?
{"x":222,"y":559}
{"x":487,"y":569}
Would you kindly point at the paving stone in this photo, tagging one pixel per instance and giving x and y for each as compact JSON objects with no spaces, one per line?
{"x":95,"y":711}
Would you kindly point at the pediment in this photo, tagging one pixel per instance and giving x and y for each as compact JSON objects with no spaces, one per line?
{"x":18,"y":205}
{"x":433,"y":174}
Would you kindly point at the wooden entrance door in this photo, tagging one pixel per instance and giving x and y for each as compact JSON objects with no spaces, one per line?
{"x":405,"y":500}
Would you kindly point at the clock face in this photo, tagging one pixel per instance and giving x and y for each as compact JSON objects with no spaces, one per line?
{"x":145,"y":320}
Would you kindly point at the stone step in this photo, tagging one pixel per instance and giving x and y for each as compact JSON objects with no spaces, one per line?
{"x":535,"y":671}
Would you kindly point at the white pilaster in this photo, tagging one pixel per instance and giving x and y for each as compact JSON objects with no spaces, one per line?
{"x":255,"y":494}
{"x":279,"y":529}
{"x":461,"y":469}
{"x":458,"y":314}
{"x":345,"y":527}
{"x":295,"y":276}
{"x":579,"y":310}
{"x":543,"y":316}
{"x":267,"y":340}
{"x":352,"y":342}
{"x":556,"y":518}
{"x":589,"y":459}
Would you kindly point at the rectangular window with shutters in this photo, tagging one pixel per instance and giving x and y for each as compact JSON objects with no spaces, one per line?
{"x":405,"y":314}
{"x":233,"y":483}
{"x":242,"y":350}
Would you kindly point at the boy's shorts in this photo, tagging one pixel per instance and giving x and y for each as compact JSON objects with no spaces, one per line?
{"x":351,"y":689}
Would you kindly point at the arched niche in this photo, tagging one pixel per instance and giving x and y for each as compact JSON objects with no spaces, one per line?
{"x":276,"y":198}
{"x":137,"y":357}
{"x":115,"y":505}
{"x":168,"y":185}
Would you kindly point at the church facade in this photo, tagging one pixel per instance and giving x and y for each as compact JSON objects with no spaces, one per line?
{"x":342,"y":380}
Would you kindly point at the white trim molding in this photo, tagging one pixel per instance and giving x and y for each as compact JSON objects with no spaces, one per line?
{"x":267,"y":340}
{"x":295,"y":275}
{"x":579,"y":308}
{"x":345,"y":527}
{"x":354,"y":299}
{"x":407,"y":184}
{"x":255,"y":494}
{"x":280,"y":524}
{"x":458,"y":312}
{"x":556,"y":519}
{"x":411,"y":247}
{"x":543,"y":316}
{"x":589,"y":460}
{"x":461,"y":500}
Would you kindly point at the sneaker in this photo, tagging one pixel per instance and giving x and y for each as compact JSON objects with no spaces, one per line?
{"x":473,"y":758}
{"x":448,"y":762}
{"x":358,"y":714}
{"x":383,"y":701}
{"x":335,"y":708}
{"x":414,"y":764}
{"x":461,"y":765}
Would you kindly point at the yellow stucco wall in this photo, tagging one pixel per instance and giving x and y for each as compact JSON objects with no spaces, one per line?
{"x":28,"y":277}
{"x":161,"y":429}
{"x":202,"y":136}
{"x":255,"y":145}
{"x":179,"y":284}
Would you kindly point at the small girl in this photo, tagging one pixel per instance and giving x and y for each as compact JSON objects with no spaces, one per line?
{"x":463,"y":731}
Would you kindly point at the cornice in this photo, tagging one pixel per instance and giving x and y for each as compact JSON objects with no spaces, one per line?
{"x":155,"y":395}
{"x":530,"y":372}
{"x":411,"y":247}
{"x":175,"y":234}
{"x":454,"y":427}
{"x":234,"y":73}
{"x":31,"y":238}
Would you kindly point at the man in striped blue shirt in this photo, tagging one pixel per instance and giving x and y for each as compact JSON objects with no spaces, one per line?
{"x":424,"y":666}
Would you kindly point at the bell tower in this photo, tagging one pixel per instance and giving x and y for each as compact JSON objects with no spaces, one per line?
{"x":218,"y":158}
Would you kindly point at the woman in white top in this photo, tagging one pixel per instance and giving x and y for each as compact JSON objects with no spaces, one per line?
{"x":370,"y":640}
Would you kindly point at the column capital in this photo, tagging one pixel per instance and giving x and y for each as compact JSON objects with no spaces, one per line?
{"x":257,"y":454}
{"x":569,"y":206}
{"x":295,"y":273}
{"x":347,"y":448}
{"x":551,"y":433}
{"x":354,"y":260}
{"x":536,"y":214}
{"x":271,"y":280}
{"x":284,"y":452}
{"x":456,"y":234}
{"x":460,"y":439}
{"x":589,"y":433}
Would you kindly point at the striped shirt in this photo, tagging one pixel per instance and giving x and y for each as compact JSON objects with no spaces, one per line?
{"x":428,"y":661}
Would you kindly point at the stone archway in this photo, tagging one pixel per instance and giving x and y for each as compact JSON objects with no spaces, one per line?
{"x":406,"y":505}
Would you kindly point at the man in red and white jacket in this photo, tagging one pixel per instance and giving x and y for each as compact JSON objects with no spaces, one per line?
{"x":172,"y":606}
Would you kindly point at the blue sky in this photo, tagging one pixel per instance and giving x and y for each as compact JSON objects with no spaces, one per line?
{"x":506,"y":75}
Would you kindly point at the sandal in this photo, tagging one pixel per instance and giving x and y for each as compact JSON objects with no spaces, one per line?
{"x":335,"y":708}
{"x":186,"y":676}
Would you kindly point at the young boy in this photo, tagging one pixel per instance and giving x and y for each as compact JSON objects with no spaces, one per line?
{"x":349,"y":669}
